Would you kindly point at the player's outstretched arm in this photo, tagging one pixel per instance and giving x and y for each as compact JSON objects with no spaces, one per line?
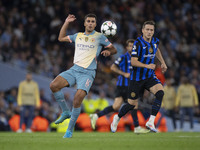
{"x":160,"y":58}
{"x":115,"y":69}
{"x":136,"y":63}
{"x":62,"y":35}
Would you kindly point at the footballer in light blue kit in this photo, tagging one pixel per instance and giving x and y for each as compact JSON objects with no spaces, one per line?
{"x":88,"y":47}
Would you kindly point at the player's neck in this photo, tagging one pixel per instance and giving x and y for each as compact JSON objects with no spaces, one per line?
{"x":88,"y":32}
{"x":147,"y":39}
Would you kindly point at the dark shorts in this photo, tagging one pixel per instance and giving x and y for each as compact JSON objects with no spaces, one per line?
{"x":136,"y":88}
{"x":122,"y":91}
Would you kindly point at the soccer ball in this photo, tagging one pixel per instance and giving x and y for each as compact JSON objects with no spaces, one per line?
{"x":108,"y":28}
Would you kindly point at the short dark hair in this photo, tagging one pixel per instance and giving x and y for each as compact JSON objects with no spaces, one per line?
{"x":90,"y":15}
{"x":129,"y":41}
{"x":151,"y":22}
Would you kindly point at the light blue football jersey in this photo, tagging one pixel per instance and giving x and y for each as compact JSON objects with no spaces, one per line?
{"x":88,"y":48}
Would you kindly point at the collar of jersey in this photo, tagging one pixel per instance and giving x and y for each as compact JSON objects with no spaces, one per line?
{"x":145,"y":41}
{"x":90,"y":33}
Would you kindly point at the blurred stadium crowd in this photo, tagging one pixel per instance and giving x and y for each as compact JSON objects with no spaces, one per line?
{"x":29,"y":31}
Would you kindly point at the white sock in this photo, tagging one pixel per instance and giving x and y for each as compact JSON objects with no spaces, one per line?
{"x":151,"y":119}
{"x":118,"y":118}
{"x":138,"y":127}
{"x":96,"y":115}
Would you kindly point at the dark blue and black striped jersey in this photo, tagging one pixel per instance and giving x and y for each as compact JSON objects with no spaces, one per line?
{"x":145,"y":52}
{"x":124,"y":64}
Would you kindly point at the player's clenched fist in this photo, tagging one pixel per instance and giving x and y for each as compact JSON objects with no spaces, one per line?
{"x":70,"y":18}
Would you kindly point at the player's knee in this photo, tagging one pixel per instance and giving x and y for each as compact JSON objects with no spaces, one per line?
{"x":159,"y":95}
{"x":76,"y":103}
{"x":116,"y":107}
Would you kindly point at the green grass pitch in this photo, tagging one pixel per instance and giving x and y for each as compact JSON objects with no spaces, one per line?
{"x":100,"y":141}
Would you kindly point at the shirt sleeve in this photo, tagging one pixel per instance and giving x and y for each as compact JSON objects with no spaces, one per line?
{"x":72,"y":38}
{"x":194,"y":92}
{"x":119,"y":61}
{"x":37,"y":95}
{"x":136,"y":49}
{"x":104,"y":41}
{"x":19,"y":95}
{"x":178,"y":97}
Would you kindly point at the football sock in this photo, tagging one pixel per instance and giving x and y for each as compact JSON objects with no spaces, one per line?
{"x":74,"y":117}
{"x":151,"y":119}
{"x":157,"y":102}
{"x":125,"y":108}
{"x":59,"y":96}
{"x":135,"y":118}
{"x":105,"y":111}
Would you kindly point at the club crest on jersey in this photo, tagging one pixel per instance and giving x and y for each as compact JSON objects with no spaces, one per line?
{"x":86,"y":39}
{"x":92,"y":40}
{"x":150,"y":50}
{"x":132,"y":94}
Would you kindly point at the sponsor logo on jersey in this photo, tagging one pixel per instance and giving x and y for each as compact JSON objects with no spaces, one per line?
{"x":85,"y":46}
{"x":149,"y":55}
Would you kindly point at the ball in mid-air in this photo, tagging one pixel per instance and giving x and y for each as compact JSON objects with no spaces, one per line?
{"x":108,"y":28}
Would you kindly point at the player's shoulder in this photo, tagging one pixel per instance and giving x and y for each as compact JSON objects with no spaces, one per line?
{"x":34,"y":82}
{"x":79,"y":33}
{"x":137,"y":42}
{"x":98,"y":33}
{"x":192,"y":86}
{"x":123,"y":55}
{"x":155,"y":40}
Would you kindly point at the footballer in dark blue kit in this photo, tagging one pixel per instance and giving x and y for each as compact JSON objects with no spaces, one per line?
{"x":121,"y":66}
{"x":142,"y":77}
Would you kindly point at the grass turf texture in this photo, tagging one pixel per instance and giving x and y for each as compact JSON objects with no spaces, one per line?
{"x":100,"y":141}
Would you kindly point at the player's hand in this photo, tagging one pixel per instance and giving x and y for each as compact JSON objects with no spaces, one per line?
{"x":70,"y":18}
{"x":126,"y":75}
{"x":106,"y":53}
{"x":151,"y":66}
{"x":164,"y":68}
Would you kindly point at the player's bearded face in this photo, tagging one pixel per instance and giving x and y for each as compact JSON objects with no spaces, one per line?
{"x":148,"y":31}
{"x":90,"y":24}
